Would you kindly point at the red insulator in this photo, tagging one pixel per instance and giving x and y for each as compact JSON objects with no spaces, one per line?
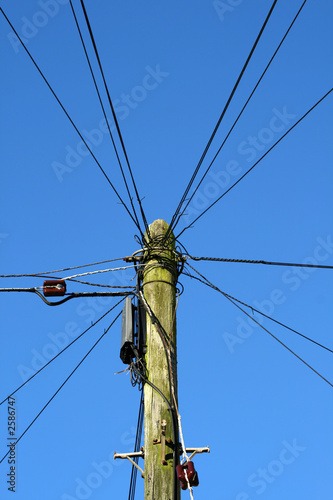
{"x":181,"y":476}
{"x":192,"y":475}
{"x":54,"y":288}
{"x":190,"y":471}
{"x":180,"y":473}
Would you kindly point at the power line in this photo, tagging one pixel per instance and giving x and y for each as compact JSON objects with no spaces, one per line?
{"x":114,"y":114}
{"x":83,"y":282}
{"x":240,"y":114}
{"x":122,"y":268}
{"x":98,"y":284}
{"x":104,"y":112}
{"x":45,"y":274}
{"x":244,"y":261}
{"x":88,"y":273}
{"x":214,"y":287}
{"x":281,"y":324}
{"x":63,"y":350}
{"x":278,"y":340}
{"x":70,"y":119}
{"x":69,"y":296}
{"x":62,"y":385}
{"x":253,"y":309}
{"x":57,"y":270}
{"x":220,"y":119}
{"x":261,"y":158}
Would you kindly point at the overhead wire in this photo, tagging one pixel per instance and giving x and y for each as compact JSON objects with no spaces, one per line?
{"x":226,"y":260}
{"x":280,"y":342}
{"x":247,"y":261}
{"x":60,"y":352}
{"x":214,"y":287}
{"x":98,"y":284}
{"x":256,"y":163}
{"x":171,"y":226}
{"x":70,"y":119}
{"x":122,"y":268}
{"x":57,"y":270}
{"x":114,"y":115}
{"x":82,"y":282}
{"x":104,"y":112}
{"x":62,"y":385}
{"x":253,"y":309}
{"x":68,"y":296}
{"x":240,"y":114}
{"x":280,"y":323}
{"x":88,"y":273}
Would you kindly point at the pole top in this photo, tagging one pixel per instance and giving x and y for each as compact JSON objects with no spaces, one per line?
{"x":157,"y":230}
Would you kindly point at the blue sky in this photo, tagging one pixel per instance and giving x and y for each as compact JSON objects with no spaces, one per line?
{"x":170,"y":68}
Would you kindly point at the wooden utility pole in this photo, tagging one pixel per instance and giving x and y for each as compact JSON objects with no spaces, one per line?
{"x":159,"y":287}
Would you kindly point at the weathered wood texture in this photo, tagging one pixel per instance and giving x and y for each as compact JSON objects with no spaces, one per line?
{"x":160,"y":293}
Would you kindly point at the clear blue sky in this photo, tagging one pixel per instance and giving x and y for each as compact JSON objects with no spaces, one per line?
{"x":170,"y":67}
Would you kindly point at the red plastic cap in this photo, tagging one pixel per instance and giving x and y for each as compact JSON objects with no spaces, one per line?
{"x":54,"y":288}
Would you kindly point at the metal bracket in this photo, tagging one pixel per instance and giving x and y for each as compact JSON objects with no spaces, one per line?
{"x":163,"y":427}
{"x":163,"y":442}
{"x":194,"y":451}
{"x":129,"y":455}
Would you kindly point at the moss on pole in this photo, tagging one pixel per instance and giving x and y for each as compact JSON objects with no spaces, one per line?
{"x":159,"y":286}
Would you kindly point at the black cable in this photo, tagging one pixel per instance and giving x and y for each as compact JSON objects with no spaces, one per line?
{"x":214,"y":287}
{"x":103,"y":109}
{"x":244,"y":261}
{"x":57,"y":270}
{"x":163,"y":336}
{"x":75,"y":281}
{"x":261,"y":158}
{"x":221,"y":117}
{"x":174,"y":430}
{"x":63,"y":350}
{"x":240,"y":114}
{"x":278,"y":340}
{"x":114,"y":116}
{"x":131,"y":494}
{"x":253,"y":309}
{"x":69,"y":118}
{"x":69,"y":295}
{"x":62,"y":385}
{"x":279,"y":323}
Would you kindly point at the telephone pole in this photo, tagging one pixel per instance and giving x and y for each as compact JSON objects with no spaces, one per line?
{"x":161,"y":431}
